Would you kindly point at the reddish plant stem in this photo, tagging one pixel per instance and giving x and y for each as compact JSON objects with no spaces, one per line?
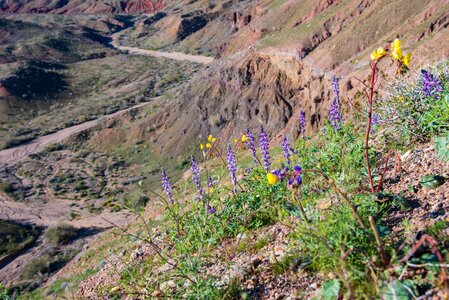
{"x":368,"y":126}
{"x":387,"y":157}
{"x":338,"y":191}
{"x":434,"y":247}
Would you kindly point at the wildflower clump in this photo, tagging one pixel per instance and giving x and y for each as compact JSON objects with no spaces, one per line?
{"x":265,"y":149}
{"x":335,"y":117}
{"x":378,"y":53}
{"x":431,"y":84}
{"x":272,"y":178}
{"x":402,"y":61}
{"x":286,"y":149}
{"x":166,"y":185}
{"x":196,"y":177}
{"x":232,"y":165}
{"x":250,"y":142}
{"x":210,"y":140}
{"x":302,"y":123}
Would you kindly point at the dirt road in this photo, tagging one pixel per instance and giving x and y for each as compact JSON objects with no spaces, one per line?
{"x":200,"y":59}
{"x":13,"y":155}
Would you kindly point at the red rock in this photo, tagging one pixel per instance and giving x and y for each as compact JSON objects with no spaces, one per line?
{"x":82,"y":7}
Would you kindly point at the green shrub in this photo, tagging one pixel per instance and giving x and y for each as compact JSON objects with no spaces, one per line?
{"x":60,"y":234}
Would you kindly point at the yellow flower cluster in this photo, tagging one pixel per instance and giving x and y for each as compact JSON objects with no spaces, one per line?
{"x":395,"y":54}
{"x":272,"y":178}
{"x":210,"y":140}
{"x":378,"y":53}
{"x":243,"y":139}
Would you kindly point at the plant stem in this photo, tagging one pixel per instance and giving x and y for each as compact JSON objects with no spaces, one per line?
{"x":301,"y":208}
{"x":354,"y":211}
{"x":368,"y":126}
{"x":380,"y":247}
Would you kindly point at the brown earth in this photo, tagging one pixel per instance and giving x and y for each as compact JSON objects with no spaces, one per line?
{"x":80,"y":7}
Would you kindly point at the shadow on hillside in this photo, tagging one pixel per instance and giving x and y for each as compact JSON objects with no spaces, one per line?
{"x":37,"y":80}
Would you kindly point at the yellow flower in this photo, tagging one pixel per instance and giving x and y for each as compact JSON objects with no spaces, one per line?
{"x":406,"y":59}
{"x":397,"y":54}
{"x":201,"y":146}
{"x":378,"y":53}
{"x":396,"y":44}
{"x":210,"y":138}
{"x":211,"y":190}
{"x":243,"y":138}
{"x":208,"y":145}
{"x":214,"y":140}
{"x":272,"y":179}
{"x":236,"y":141}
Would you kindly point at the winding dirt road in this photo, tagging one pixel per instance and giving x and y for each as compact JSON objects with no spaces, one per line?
{"x":13,"y":155}
{"x":200,"y":59}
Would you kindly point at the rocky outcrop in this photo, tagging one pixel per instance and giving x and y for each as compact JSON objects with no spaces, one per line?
{"x":144,"y":6}
{"x":244,"y":91}
{"x":81,"y":7}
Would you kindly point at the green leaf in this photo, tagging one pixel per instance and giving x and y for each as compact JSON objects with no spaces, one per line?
{"x":442,"y":147}
{"x":400,"y":290}
{"x":329,"y":291}
{"x":432,"y":181}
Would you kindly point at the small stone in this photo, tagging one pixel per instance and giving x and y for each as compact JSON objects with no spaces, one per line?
{"x":165,"y":286}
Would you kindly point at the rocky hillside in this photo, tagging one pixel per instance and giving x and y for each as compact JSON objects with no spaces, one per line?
{"x":80,"y":7}
{"x":277,"y":58}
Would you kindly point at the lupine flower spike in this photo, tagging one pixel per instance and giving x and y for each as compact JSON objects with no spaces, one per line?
{"x":232,"y":165}
{"x":166,"y":185}
{"x":431,"y":84}
{"x":295,"y":179}
{"x":286,"y":148}
{"x":375,"y":120}
{"x":265,"y":149}
{"x":251,"y":145}
{"x":335,"y":116}
{"x":210,"y":184}
{"x":196,"y":177}
{"x":302,"y":123}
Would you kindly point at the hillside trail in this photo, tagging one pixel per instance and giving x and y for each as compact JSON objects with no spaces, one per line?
{"x":200,"y":59}
{"x":11,"y":156}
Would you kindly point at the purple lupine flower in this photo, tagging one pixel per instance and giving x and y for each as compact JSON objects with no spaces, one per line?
{"x":211,"y":210}
{"x":296,"y":179}
{"x":264,"y":145}
{"x":196,"y":177}
{"x":335,"y":117}
{"x":248,"y":171}
{"x":210,"y":182}
{"x":166,"y":185}
{"x":281,"y":173}
{"x":431,"y":84}
{"x":375,"y":120}
{"x":302,"y":123}
{"x":251,"y":145}
{"x":232,"y":164}
{"x":286,"y":148}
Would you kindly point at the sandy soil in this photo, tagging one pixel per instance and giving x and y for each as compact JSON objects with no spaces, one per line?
{"x":200,"y":59}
